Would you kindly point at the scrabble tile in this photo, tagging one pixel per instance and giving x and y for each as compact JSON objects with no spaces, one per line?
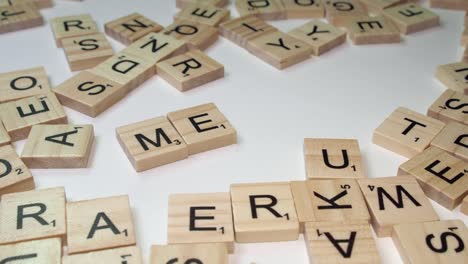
{"x":333,"y":158}
{"x":264,"y":9}
{"x":322,"y":37}
{"x":99,"y":224}
{"x":264,"y":212}
{"x":304,"y":9}
{"x":58,"y":146}
{"x":341,"y":12}
{"x":279,"y":49}
{"x":195,"y":35}
{"x":395,"y":200}
{"x":203,"y":14}
{"x":125,"y":255}
{"x":217,"y":3}
{"x":464,"y":207}
{"x":89,"y":93}
{"x":450,"y":106}
{"x":151,"y":143}
{"x":19,"y":116}
{"x":190,"y":70}
{"x":126,"y":69}
{"x":377,"y":6}
{"x":129,"y":29}
{"x":192,"y":253}
{"x":32,"y":215}
{"x":449,"y":4}
{"x":464,"y":37}
{"x":14,"y":175}
{"x":243,"y":29}
{"x":47,"y":251}
{"x":410,"y":18}
{"x":201,"y":218}
{"x":441,"y":176}
{"x":203,"y":128}
{"x":454,"y":76}
{"x":373,"y":30}
{"x":339,"y":201}
{"x":18,"y":17}
{"x":432,"y":243}
{"x":465,"y":54}
{"x":406,"y":132}
{"x":84,"y":52}
{"x":452,"y":139}
{"x":23,"y":83}
{"x":156,"y":47}
{"x":36,"y":3}
{"x":4,"y":137}
{"x":72,"y":26}
{"x":338,"y":243}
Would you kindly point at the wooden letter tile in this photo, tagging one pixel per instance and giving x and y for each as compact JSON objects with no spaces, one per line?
{"x":195,"y":35}
{"x":32,"y":215}
{"x":84,"y":52}
{"x":98,"y":224}
{"x":341,"y":12}
{"x":338,"y":243}
{"x":18,"y":17}
{"x":47,"y":251}
{"x":58,"y":146}
{"x":373,"y":30}
{"x":39,"y":4}
{"x":450,"y":4}
{"x":377,"y":6}
{"x":406,"y":132}
{"x":125,"y":255}
{"x":453,"y":76}
{"x":19,"y":116}
{"x":432,"y":243}
{"x":24,"y":83}
{"x":264,"y":212}
{"x":190,"y":70}
{"x":89,"y":93}
{"x":72,"y":26}
{"x":264,"y":9}
{"x":464,"y":207}
{"x":243,"y":29}
{"x":14,"y":175}
{"x":450,"y":106}
{"x":279,"y":49}
{"x":333,"y":158}
{"x":338,"y":201}
{"x":453,"y":139}
{"x":203,"y":128}
{"x":410,"y":18}
{"x":217,"y":3}
{"x":395,"y":200}
{"x":129,"y":29}
{"x":4,"y":137}
{"x":442,"y":177}
{"x":151,"y":143}
{"x":203,"y":14}
{"x":322,"y":37}
{"x":201,"y":218}
{"x":192,"y":253}
{"x":303,"y":9}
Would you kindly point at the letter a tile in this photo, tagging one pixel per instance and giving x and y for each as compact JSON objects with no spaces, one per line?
{"x":125,"y":255}
{"x":338,"y":243}
{"x":203,"y":128}
{"x":453,"y":139}
{"x":99,"y":224}
{"x":264,"y":212}
{"x":200,"y":218}
{"x":14,"y":175}
{"x":443,"y":177}
{"x":47,"y":251}
{"x":58,"y":146}
{"x":432,"y":243}
{"x":151,"y":143}
{"x":32,"y":215}
{"x":333,"y":158}
{"x":192,"y":253}
{"x":395,"y":200}
{"x":406,"y":132}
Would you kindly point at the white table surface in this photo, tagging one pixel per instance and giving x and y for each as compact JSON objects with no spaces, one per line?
{"x":345,"y":93}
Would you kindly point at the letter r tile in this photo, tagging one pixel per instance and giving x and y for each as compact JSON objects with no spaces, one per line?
{"x":200,"y":218}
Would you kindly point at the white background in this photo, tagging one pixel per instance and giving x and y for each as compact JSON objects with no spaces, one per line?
{"x":345,"y":93}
